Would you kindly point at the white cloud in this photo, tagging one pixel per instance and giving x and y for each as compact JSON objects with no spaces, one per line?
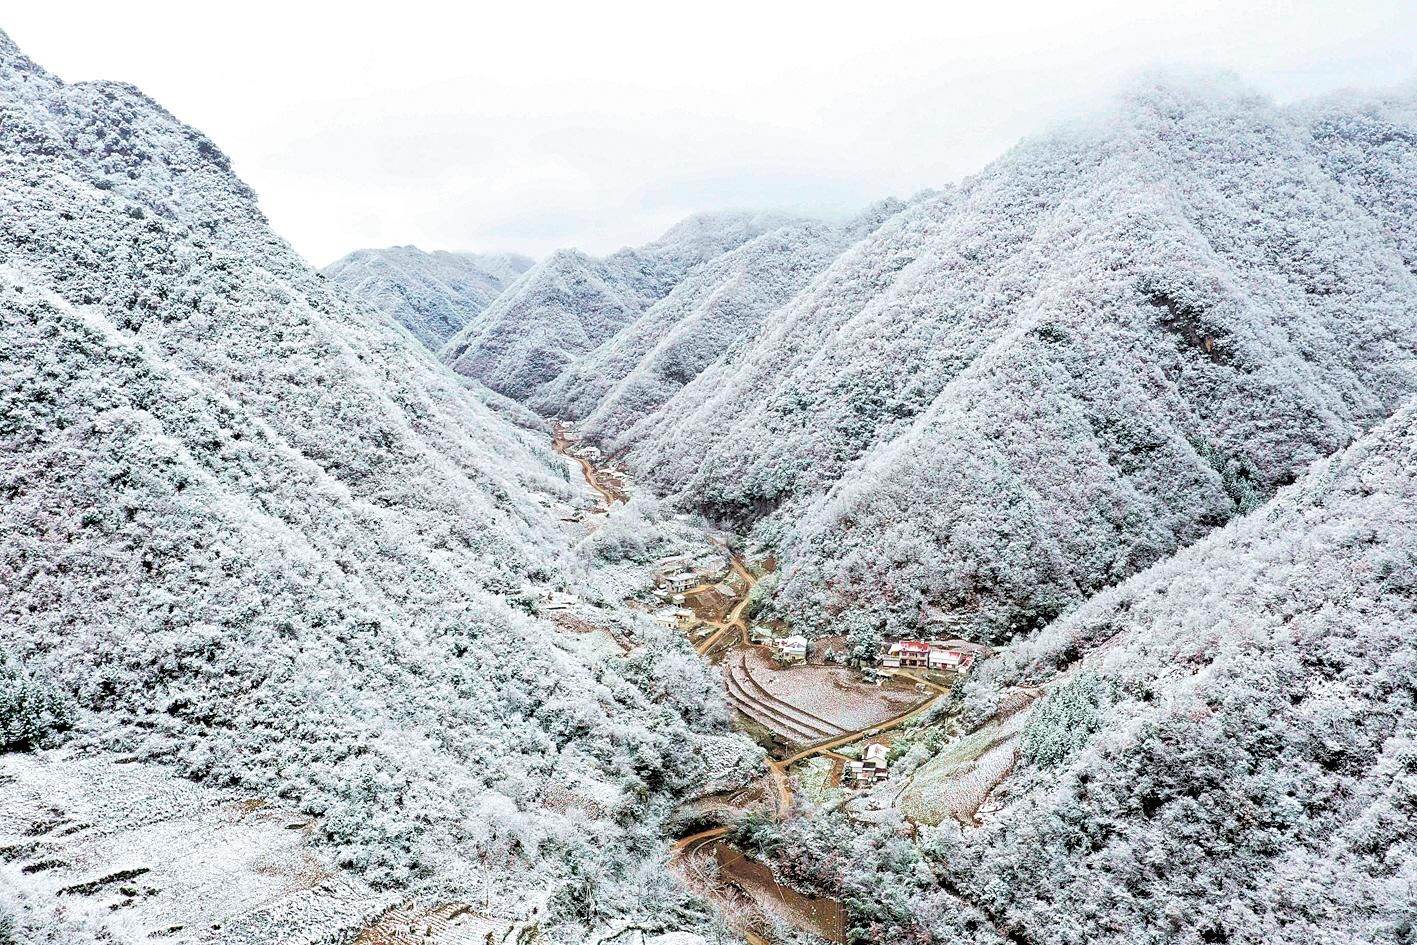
{"x":536,"y":125}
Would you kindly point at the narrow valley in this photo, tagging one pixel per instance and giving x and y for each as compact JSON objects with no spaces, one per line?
{"x":1028,"y":558}
{"x":750,"y":899}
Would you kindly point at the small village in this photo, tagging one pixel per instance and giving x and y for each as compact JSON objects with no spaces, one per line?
{"x":832,"y":727}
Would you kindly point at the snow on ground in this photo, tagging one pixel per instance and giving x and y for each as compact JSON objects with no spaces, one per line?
{"x":957,"y":782}
{"x":449,"y":924}
{"x":834,"y":694}
{"x":171,"y":859}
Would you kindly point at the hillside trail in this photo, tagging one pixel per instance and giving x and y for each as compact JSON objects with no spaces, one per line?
{"x":734,"y":619}
{"x":704,"y":842}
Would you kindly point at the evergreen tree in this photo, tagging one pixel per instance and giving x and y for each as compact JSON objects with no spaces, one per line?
{"x":30,"y":709}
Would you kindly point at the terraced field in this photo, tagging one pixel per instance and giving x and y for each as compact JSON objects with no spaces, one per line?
{"x":750,"y":697}
{"x":807,"y":704}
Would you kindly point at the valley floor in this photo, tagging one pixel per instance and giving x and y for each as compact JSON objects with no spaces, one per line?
{"x":811,"y":717}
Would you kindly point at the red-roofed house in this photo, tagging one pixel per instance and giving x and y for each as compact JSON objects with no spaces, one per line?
{"x":907,"y":654}
{"x":956,"y":655}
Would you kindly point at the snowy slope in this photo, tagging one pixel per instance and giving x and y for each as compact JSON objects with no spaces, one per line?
{"x":1220,"y":749}
{"x":569,"y":303}
{"x":433,"y":295}
{"x":1254,"y":772}
{"x":1110,"y":341}
{"x":267,"y":539}
{"x":716,"y":306}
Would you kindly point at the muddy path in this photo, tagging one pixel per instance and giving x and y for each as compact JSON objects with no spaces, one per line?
{"x":748,"y":893}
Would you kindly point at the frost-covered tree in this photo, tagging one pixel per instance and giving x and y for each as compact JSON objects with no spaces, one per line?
{"x":30,"y":708}
{"x":1063,"y":721}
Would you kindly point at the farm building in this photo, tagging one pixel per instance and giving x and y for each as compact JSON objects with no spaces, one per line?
{"x":792,"y":648}
{"x":956,"y":655}
{"x":869,"y":770}
{"x":906,"y":654}
{"x":674,"y":616}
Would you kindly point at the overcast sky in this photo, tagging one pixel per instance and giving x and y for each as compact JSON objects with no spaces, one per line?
{"x":528,"y":126}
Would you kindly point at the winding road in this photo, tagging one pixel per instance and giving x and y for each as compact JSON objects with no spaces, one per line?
{"x":560,"y":443}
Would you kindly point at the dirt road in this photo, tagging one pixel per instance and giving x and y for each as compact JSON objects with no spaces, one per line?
{"x":741,"y":878}
{"x":777,"y":770}
{"x":560,"y":443}
{"x":734,"y":619}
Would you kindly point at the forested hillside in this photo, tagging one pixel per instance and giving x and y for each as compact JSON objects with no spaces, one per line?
{"x":1254,"y":756}
{"x":1112,"y":340}
{"x":717,"y":306}
{"x":261,"y":536}
{"x":1222,"y":751}
{"x":433,"y":295}
{"x":1136,"y":404}
{"x":570,"y":303}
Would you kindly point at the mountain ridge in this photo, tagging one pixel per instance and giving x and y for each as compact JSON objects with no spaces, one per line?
{"x":1006,"y":282}
{"x":267,"y":540}
{"x":434,"y":294}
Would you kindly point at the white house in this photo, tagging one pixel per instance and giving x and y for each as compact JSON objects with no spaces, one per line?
{"x":792,"y":648}
{"x":870,"y":769}
{"x":682,"y":581}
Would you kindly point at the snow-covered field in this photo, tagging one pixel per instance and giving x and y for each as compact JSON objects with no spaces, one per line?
{"x":833,"y":694}
{"x":166,"y":857}
{"x":957,"y":782}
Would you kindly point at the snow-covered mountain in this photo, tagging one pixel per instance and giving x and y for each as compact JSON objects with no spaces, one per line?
{"x":433,"y":295}
{"x":569,"y":303}
{"x":1220,"y":749}
{"x":1107,"y":343}
{"x":265,"y":538}
{"x":1251,"y":776}
{"x":715,"y":307}
{"x":1138,"y":400}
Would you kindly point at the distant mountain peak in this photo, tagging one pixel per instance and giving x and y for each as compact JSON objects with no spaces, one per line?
{"x":432,"y":294}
